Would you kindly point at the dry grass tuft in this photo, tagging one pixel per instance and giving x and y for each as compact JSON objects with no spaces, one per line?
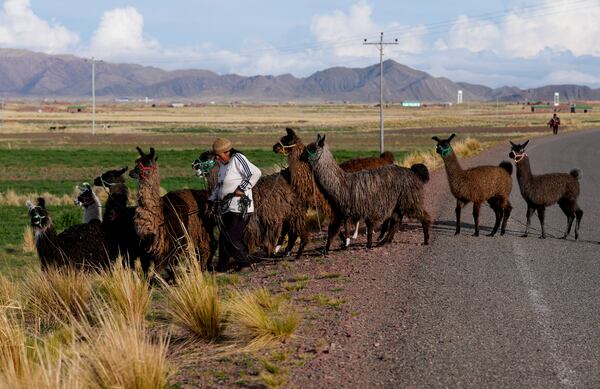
{"x":119,"y":355}
{"x":261,"y":317}
{"x":194,"y":302}
{"x":127,"y":292}
{"x":8,"y":292}
{"x":13,"y":352}
{"x":57,"y":295}
{"x":28,"y":240}
{"x":11,"y":198}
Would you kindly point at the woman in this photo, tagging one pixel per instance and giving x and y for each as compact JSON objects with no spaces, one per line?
{"x":237,"y":176}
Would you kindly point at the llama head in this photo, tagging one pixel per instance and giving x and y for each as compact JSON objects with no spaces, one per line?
{"x":86,"y":195}
{"x":205,"y":163}
{"x":312,"y":152}
{"x":145,"y":165}
{"x":517,"y":151}
{"x":111,"y":177}
{"x":443,"y":146}
{"x":38,"y":214}
{"x":287,"y":142}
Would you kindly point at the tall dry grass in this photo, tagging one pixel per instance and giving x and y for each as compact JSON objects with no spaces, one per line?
{"x":464,"y":148}
{"x":194,"y":302}
{"x":28,"y":240}
{"x":127,"y":292}
{"x":57,"y":295}
{"x":259,"y":317}
{"x":119,"y":355}
{"x":8,"y":292}
{"x":11,"y":198}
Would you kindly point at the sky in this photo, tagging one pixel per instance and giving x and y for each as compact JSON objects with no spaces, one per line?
{"x":524,"y":43}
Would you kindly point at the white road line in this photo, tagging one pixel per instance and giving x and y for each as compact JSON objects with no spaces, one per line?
{"x":565,"y":374}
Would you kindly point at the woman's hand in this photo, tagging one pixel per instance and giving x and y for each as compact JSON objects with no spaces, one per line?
{"x":238,"y":192}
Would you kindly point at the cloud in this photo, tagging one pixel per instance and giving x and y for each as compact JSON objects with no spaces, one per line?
{"x":342,"y":32}
{"x":21,"y":28}
{"x":527,"y":32}
{"x":121,"y":33}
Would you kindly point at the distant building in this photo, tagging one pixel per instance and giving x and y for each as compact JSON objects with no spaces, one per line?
{"x":411,"y":104}
{"x":122,"y":100}
{"x":177,"y":105}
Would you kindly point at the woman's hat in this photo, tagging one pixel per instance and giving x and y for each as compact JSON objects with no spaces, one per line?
{"x":221,"y":145}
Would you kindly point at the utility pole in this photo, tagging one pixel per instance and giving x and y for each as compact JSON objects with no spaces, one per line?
{"x":93,"y":96}
{"x":381,"y":43}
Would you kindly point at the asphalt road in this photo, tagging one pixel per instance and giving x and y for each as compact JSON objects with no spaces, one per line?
{"x":508,"y":311}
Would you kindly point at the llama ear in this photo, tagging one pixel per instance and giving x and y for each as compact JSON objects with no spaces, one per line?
{"x":321,"y":142}
{"x":29,"y":205}
{"x":155,"y":159}
{"x":451,"y":137}
{"x":41,"y":202}
{"x":120,"y":172}
{"x":152,"y":152}
{"x":525,"y":144}
{"x":435,"y":138}
{"x":140,"y":151}
{"x":512,"y":144}
{"x":290,"y":132}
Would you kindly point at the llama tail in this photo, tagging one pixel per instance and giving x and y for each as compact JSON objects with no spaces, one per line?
{"x":507,"y":166}
{"x":577,"y":173}
{"x":421,"y":171}
{"x":387,"y":156}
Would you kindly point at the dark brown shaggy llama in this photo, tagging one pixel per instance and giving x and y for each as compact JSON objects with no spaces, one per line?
{"x":385,"y":194}
{"x":276,"y":209}
{"x":82,"y":246}
{"x":174,"y":225}
{"x":479,"y":184}
{"x":541,"y":191}
{"x":118,"y":220}
{"x":311,"y":194}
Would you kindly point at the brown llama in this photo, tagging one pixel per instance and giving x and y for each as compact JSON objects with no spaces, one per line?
{"x":541,"y":191}
{"x":118,"y":220}
{"x":173,"y":225}
{"x":82,"y":246}
{"x":276,"y":210}
{"x":482,"y":183}
{"x":90,"y":203}
{"x":385,"y":194}
{"x":311,"y":194}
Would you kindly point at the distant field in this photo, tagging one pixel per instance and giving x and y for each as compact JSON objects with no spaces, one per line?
{"x":35,"y":159}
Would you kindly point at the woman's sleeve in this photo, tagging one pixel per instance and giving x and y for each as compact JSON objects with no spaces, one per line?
{"x":250,"y":173}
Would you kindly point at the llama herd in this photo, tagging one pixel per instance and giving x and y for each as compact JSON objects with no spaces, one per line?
{"x":159,"y":230}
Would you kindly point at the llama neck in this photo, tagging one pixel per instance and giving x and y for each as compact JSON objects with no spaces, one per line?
{"x":332,"y":178}
{"x":92,"y":211}
{"x":454,"y":172}
{"x":118,"y":198}
{"x":47,"y":244}
{"x":300,"y":171}
{"x":524,"y":175}
{"x":149,"y":215}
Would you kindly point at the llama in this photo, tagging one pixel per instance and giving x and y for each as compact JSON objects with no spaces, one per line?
{"x":384,"y":194}
{"x":541,"y":191}
{"x":81,"y":246}
{"x":90,"y":203}
{"x":173,"y":225}
{"x":118,"y":219}
{"x":482,"y":183}
{"x":310,"y":193}
{"x":276,"y":212}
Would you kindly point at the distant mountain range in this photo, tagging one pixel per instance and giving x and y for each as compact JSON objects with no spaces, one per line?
{"x":27,"y":74}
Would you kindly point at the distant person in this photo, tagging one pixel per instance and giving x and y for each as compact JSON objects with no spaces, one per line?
{"x":237,"y":176}
{"x":554,"y":123}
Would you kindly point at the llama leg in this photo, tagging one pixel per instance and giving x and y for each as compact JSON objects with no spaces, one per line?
{"x":292,"y":238}
{"x":476,"y":209}
{"x":541,"y":215}
{"x":369,"y":233}
{"x":345,"y":237}
{"x":459,"y":205}
{"x":568,"y":208}
{"x":426,"y":225}
{"x":497,"y":208}
{"x":332,"y":230}
{"x":506,"y":209}
{"x":530,"y":211}
{"x":355,"y":236}
{"x":383,"y":230}
{"x":578,"y":216}
{"x":303,"y":240}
